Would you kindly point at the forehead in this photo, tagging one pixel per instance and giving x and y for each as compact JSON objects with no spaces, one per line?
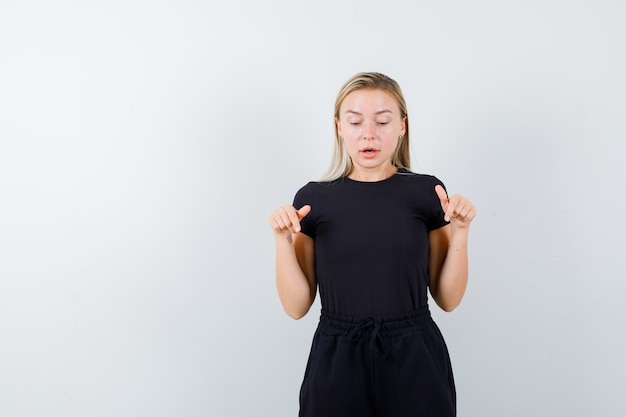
{"x":368,"y":100}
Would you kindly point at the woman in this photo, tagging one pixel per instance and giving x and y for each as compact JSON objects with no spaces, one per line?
{"x":373,"y":236}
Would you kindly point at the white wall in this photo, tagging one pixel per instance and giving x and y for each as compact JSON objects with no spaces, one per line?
{"x":143,"y":145}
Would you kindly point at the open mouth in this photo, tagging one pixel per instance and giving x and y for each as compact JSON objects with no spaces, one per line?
{"x":369,"y":151}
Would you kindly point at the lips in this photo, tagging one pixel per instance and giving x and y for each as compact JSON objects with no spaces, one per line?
{"x":369,"y":152}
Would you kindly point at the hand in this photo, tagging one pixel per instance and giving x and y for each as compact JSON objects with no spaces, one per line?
{"x":287,"y":218}
{"x":458,"y":210}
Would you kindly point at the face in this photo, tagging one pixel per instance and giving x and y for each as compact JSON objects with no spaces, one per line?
{"x":370,"y":124}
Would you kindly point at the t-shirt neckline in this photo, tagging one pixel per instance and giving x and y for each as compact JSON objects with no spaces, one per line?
{"x":400,"y":170}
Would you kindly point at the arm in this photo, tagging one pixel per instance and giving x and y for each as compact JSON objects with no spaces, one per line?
{"x":295,"y":254}
{"x":448,"y":268}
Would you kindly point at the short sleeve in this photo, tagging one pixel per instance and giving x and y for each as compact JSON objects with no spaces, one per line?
{"x":436,"y":217}
{"x":303,"y":197}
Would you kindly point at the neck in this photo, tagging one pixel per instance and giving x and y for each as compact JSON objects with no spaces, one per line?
{"x":372,"y":174}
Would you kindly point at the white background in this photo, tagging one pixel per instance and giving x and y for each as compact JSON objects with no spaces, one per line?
{"x":144,"y":144}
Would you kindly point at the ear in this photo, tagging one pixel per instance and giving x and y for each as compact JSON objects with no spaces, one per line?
{"x":403,"y":127}
{"x":338,"y":124}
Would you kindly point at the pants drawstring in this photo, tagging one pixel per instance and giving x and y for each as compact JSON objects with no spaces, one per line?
{"x":375,"y":341}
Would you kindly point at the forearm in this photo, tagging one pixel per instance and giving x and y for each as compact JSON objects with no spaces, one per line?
{"x":452,"y":281}
{"x":295,"y":290}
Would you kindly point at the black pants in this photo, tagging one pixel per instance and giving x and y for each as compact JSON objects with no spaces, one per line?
{"x":396,"y":367}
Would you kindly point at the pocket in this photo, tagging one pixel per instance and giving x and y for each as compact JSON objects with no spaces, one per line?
{"x":310,"y":364}
{"x":443,"y":355}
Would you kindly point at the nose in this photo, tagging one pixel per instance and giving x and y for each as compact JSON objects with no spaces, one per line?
{"x":368,"y":131}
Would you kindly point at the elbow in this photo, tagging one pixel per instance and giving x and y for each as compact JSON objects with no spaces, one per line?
{"x":296,"y":314}
{"x":296,"y":307}
{"x":297,"y":310}
{"x":448,"y":300}
{"x":448,"y":307}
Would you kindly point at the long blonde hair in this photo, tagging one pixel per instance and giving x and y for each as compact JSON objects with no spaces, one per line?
{"x":341,"y":164}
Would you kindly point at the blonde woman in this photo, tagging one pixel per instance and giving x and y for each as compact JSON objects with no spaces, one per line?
{"x":374,"y":237}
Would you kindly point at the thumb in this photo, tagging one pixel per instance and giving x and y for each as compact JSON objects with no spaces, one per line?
{"x":304,"y":210}
{"x":443,"y":198}
{"x":441,"y":193}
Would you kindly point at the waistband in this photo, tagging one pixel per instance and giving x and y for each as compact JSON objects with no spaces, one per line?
{"x":384,"y":326}
{"x":378,"y":330}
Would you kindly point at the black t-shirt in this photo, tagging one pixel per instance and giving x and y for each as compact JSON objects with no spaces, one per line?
{"x":371,"y":242}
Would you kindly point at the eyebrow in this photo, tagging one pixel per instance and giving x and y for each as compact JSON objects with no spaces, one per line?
{"x":359,"y":114}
